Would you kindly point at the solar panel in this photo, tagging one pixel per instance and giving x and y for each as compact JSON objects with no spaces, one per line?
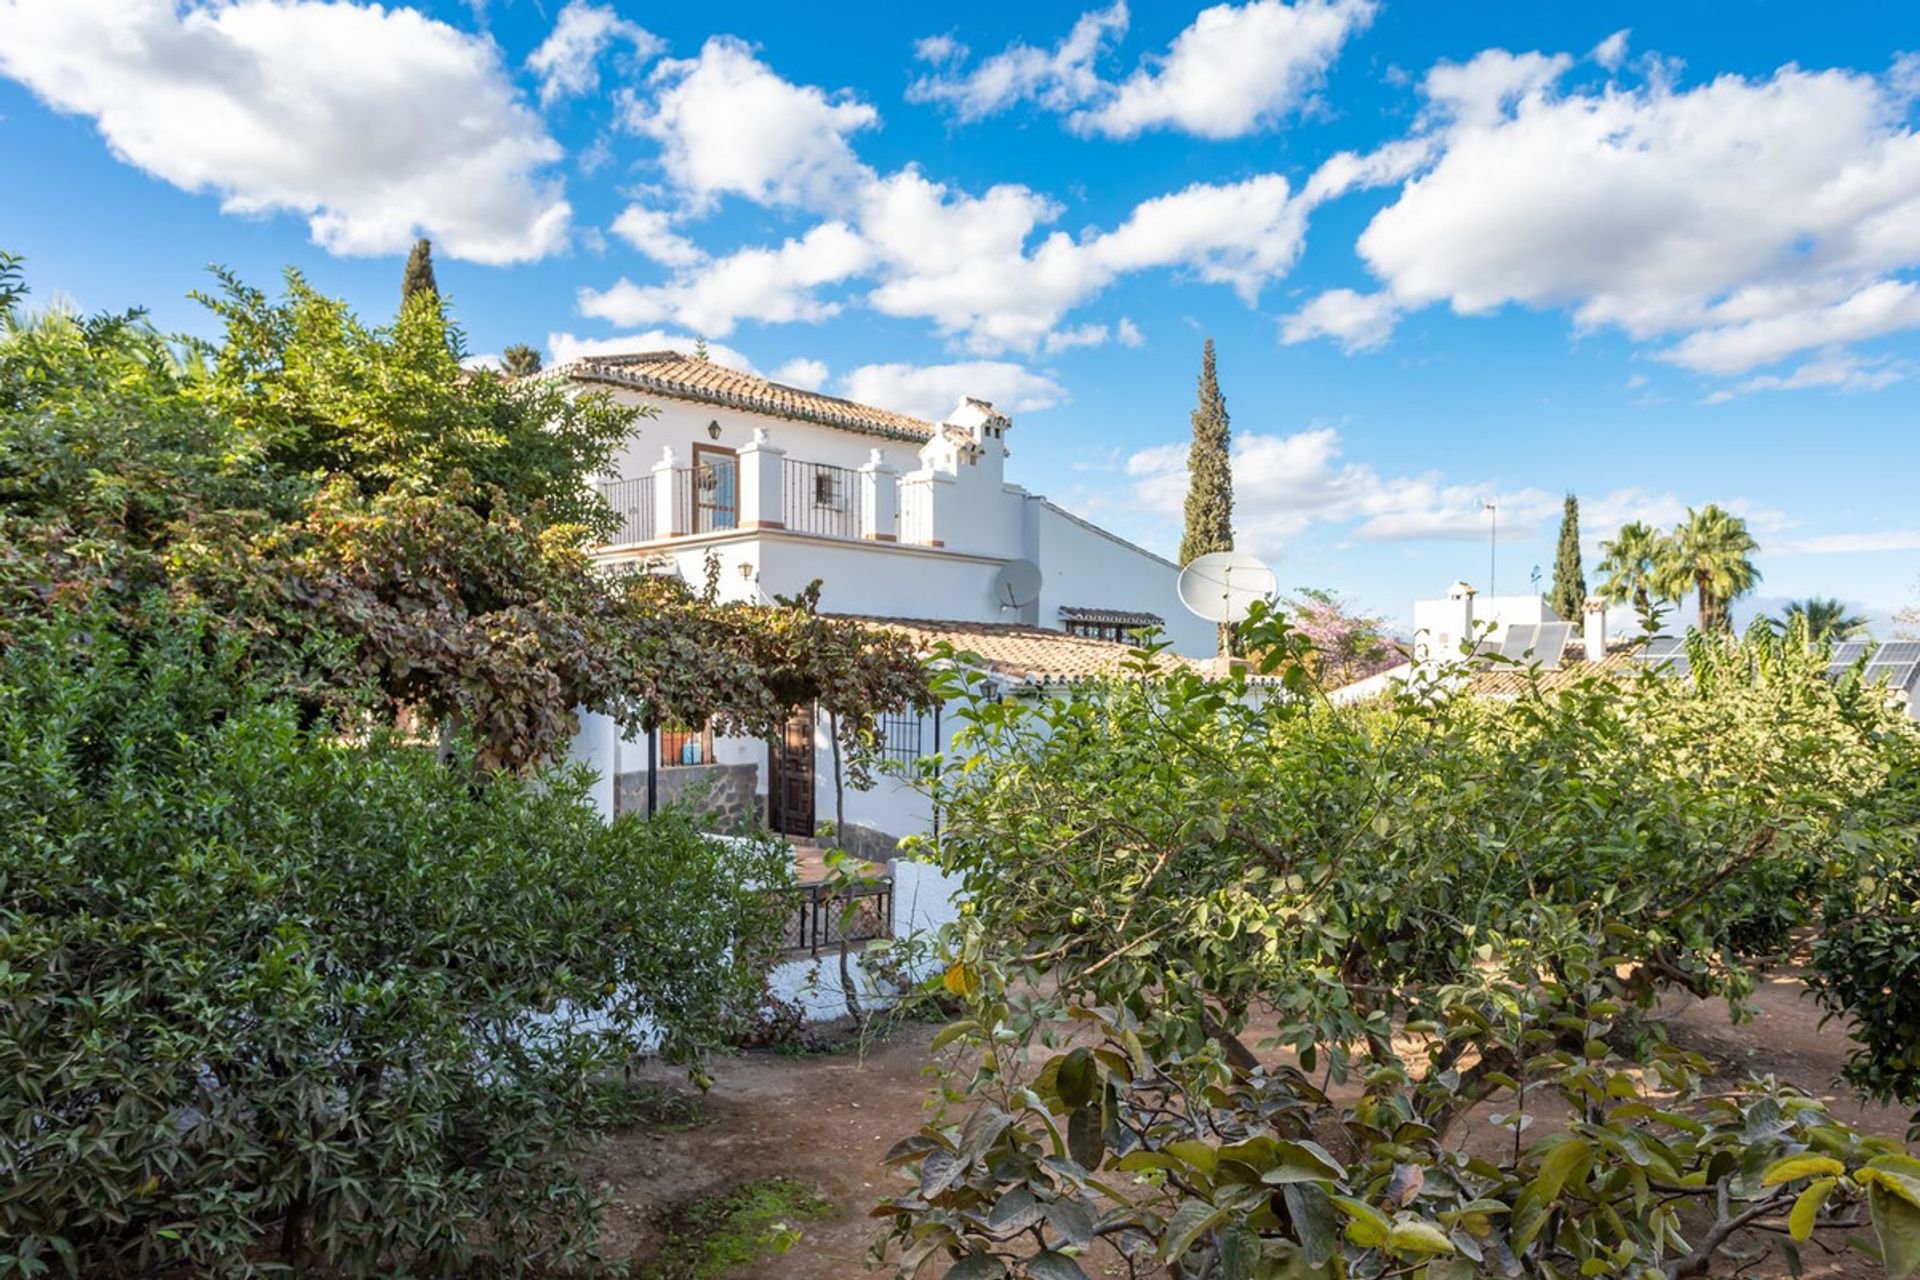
{"x":1898,"y":675}
{"x":1898,"y":651}
{"x":1845,"y":655}
{"x":1518,"y":640}
{"x":1552,"y":644}
{"x":1659,"y":648}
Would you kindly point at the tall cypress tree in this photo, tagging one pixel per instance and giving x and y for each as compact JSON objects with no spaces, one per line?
{"x":1569,"y":594}
{"x":419,"y":272}
{"x":1209,"y":470}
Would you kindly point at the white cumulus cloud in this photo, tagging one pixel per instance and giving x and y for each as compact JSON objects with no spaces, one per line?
{"x":568,"y":60}
{"x":933,"y":391}
{"x":375,"y":124}
{"x":728,"y":125}
{"x":1286,"y":484}
{"x":987,"y":269}
{"x":562,"y":347}
{"x":1059,"y":78}
{"x":770,"y":285}
{"x":1737,"y":222}
{"x":1357,"y":321}
{"x":652,"y":232}
{"x":809,"y":375}
{"x":1236,"y":69}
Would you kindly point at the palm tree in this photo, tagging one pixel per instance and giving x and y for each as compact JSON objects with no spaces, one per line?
{"x":1710,"y":554}
{"x":1825,"y":619}
{"x":1630,"y":562}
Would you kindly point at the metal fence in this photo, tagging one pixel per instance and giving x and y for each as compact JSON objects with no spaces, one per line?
{"x":632,"y":502}
{"x":916,"y":512}
{"x":898,"y":735}
{"x":821,"y":498}
{"x":824,"y":916}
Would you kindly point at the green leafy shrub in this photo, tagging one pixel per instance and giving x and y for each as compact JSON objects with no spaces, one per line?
{"x":1867,"y":956}
{"x":267,"y":994}
{"x":1441,"y":901}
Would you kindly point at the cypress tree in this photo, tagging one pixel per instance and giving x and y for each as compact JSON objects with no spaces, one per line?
{"x":520,"y":360}
{"x":419,"y":272}
{"x":1209,"y":470}
{"x":1569,"y":594}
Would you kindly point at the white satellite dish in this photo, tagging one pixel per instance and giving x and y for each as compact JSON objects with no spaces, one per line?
{"x":1017,"y":585}
{"x":1222,"y":586}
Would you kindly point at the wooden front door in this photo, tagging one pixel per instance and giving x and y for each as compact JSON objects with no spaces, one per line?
{"x":790,"y":777}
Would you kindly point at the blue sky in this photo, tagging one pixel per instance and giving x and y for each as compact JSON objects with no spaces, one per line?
{"x":1661,"y":256}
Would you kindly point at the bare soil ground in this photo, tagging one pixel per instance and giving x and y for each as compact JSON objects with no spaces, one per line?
{"x":828,"y":1118}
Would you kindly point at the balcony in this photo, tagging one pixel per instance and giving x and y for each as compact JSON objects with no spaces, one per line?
{"x":760,"y":488}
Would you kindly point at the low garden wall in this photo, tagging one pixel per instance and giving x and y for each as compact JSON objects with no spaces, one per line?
{"x":727,"y":793}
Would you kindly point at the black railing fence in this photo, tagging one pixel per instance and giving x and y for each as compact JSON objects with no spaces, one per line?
{"x":820,"y":498}
{"x":824,"y":916}
{"x":632,"y":502}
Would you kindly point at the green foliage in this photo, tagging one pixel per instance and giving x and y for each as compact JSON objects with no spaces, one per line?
{"x":308,"y":391}
{"x":1709,"y":554}
{"x":520,"y":360}
{"x":1442,"y":901}
{"x":265,"y":986}
{"x":1821,"y":618}
{"x":1867,"y":955}
{"x":1209,"y":513}
{"x":391,"y":535}
{"x":1631,"y":562}
{"x":416,"y":281}
{"x":1569,"y":593}
{"x":722,"y":1233}
{"x":1185,"y":1163}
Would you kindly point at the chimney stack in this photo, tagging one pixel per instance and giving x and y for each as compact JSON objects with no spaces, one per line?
{"x":1595,"y":632}
{"x":1459,"y":621}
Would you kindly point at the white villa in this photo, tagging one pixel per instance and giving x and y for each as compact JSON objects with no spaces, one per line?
{"x":905,"y":522}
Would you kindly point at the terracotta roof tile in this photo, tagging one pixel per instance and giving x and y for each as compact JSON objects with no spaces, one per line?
{"x":1511,"y":680}
{"x":1023,"y":653}
{"x":683,"y":377}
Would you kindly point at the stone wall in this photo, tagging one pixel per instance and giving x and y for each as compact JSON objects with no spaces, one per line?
{"x":727,"y":793}
{"x":868,"y":844}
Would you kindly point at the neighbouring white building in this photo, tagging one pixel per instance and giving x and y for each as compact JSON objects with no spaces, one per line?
{"x":904,"y":522}
{"x":1536,"y":648}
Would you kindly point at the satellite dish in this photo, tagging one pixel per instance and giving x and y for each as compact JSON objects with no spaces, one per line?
{"x":1222,"y":586}
{"x":1017,"y":585}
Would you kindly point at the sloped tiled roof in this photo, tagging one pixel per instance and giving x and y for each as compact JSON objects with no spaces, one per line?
{"x":1507,"y":680}
{"x":1033,"y":655}
{"x":684,"y":377}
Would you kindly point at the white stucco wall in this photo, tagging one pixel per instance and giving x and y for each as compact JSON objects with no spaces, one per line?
{"x":1083,"y":566}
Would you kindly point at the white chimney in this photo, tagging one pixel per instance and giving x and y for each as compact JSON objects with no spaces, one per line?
{"x":1595,"y":632}
{"x":1459,"y":621}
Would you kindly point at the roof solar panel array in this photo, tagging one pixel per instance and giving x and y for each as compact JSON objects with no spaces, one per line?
{"x":1552,"y":643}
{"x":1659,"y":649}
{"x":1845,"y":655}
{"x":1518,"y":641}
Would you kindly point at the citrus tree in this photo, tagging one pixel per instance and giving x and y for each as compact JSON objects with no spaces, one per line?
{"x":1422,"y":905}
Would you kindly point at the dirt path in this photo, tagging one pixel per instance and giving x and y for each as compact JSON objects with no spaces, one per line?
{"x":829,"y":1118}
{"x":826,"y":1119}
